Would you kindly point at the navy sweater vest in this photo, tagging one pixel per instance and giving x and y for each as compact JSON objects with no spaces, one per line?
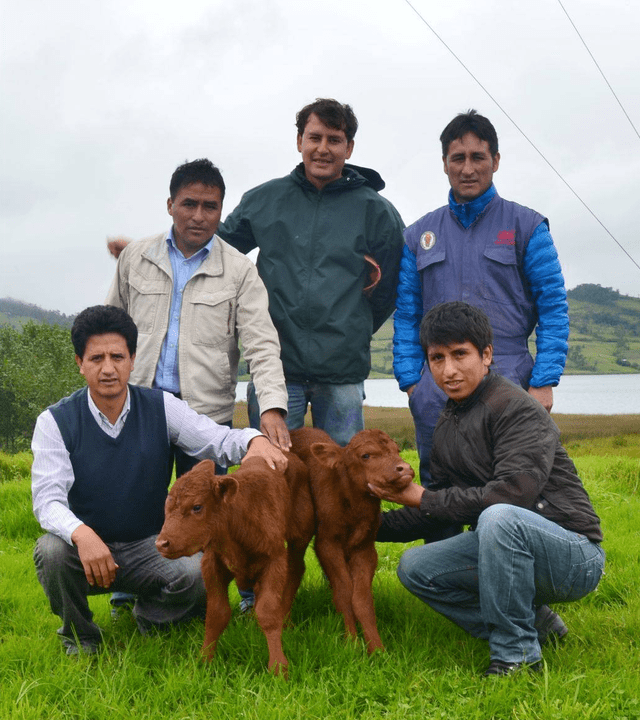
{"x":120,"y":484}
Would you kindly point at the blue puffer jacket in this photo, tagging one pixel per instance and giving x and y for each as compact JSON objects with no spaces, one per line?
{"x":543,"y":275}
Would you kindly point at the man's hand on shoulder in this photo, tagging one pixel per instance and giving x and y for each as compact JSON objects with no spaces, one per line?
{"x":260,"y":446}
{"x":272,"y":425}
{"x":97,"y":561}
{"x":544,"y":395}
{"x":116,"y":244}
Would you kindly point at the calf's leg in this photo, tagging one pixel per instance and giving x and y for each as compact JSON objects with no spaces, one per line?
{"x":332,"y":560}
{"x":363,"y":563}
{"x":216,"y":579}
{"x":270,"y":611}
{"x":295,"y":573}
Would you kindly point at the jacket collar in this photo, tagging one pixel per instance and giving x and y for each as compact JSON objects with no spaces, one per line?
{"x":352,"y":176}
{"x":158,"y":254}
{"x":467,"y":213}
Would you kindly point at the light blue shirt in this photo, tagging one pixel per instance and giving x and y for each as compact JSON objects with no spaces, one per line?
{"x":167,"y":372}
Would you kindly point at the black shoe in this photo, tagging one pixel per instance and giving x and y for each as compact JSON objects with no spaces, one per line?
{"x":549,"y":625}
{"x":85,"y":648}
{"x":497,"y":667}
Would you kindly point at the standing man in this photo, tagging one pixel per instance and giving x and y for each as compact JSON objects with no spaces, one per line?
{"x":192,"y":297}
{"x":491,"y":253}
{"x":101,"y":469}
{"x":320,"y":229}
{"x":498,"y":466}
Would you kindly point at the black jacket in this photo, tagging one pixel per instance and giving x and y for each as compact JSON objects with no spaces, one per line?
{"x":497,"y":446}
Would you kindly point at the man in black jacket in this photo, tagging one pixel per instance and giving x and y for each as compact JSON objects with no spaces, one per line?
{"x":498,"y":466}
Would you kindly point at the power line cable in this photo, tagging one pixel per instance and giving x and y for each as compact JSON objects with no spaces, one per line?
{"x":599,"y":69}
{"x":525,"y":136}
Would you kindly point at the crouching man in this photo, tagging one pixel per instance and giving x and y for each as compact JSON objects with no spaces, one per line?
{"x":498,"y":466}
{"x":101,"y":469}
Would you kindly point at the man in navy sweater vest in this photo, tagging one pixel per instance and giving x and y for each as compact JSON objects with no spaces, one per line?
{"x":101,"y":469}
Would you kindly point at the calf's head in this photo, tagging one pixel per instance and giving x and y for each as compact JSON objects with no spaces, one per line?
{"x":192,"y":509}
{"x":370,"y":457}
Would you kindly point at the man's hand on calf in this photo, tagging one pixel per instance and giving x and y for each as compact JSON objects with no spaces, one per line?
{"x":272,"y":425}
{"x":260,"y":446}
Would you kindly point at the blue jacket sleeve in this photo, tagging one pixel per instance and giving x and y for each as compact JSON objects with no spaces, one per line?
{"x":408,"y":356}
{"x":544,"y":275}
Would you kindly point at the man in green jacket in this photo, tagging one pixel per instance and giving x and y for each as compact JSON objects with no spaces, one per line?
{"x":325,"y":235}
{"x":330,"y":249}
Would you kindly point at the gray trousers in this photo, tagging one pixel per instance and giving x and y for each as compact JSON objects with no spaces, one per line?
{"x":167,"y":591}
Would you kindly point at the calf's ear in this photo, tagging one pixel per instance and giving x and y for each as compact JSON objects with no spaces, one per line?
{"x":326,"y":454}
{"x":224,"y":487}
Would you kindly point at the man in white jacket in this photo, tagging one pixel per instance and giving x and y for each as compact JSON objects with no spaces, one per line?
{"x":193,"y":297}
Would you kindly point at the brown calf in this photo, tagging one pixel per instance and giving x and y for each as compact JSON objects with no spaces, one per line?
{"x":348,"y":515}
{"x":254,"y":526}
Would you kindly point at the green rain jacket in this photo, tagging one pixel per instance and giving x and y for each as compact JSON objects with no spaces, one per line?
{"x":312,"y":246}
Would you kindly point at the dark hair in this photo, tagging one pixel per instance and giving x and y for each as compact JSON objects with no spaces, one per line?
{"x":198,"y":171}
{"x":455,"y":322}
{"x":100,"y":320}
{"x":469,"y":122}
{"x":332,"y":113}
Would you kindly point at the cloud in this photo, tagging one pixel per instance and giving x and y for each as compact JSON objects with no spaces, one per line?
{"x":102,"y":101}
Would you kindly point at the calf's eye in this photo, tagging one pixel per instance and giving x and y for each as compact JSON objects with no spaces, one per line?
{"x":196,"y":508}
{"x":366,"y":456}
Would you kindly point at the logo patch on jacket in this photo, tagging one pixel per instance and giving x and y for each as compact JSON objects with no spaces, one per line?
{"x":506,"y":237}
{"x":427,"y":240}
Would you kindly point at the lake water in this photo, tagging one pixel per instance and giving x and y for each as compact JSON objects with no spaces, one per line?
{"x":576,"y":394}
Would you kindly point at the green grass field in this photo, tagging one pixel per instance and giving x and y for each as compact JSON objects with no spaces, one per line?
{"x":430,"y":669}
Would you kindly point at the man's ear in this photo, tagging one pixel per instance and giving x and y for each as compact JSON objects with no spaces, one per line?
{"x":496,"y":162}
{"x":487,"y":356}
{"x":350,"y":148}
{"x":79,"y":363}
{"x":299,"y":142}
{"x":133,"y":358}
{"x":170,"y":206}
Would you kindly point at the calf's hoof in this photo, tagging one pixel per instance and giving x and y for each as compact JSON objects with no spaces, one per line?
{"x":280,"y":669}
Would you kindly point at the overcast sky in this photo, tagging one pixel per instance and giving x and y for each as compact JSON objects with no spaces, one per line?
{"x":101,"y":101}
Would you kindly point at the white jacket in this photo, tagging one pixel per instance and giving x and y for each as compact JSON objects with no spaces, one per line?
{"x":225,"y":301}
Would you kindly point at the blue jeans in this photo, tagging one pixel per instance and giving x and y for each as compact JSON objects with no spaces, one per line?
{"x":336,"y":409}
{"x":167,"y":591}
{"x":490,"y":582}
{"x":426,"y":403}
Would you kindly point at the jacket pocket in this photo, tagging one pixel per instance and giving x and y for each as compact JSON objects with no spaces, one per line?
{"x":433,"y":275}
{"x":146,"y":299}
{"x":502,"y":281}
{"x":213,"y":316}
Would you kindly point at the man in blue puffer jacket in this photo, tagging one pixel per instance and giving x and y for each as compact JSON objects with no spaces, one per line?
{"x":491,"y":253}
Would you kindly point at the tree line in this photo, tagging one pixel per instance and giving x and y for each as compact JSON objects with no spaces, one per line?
{"x":37,"y":368}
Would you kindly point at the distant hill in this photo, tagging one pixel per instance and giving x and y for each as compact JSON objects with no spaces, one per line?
{"x":605,"y":331}
{"x":17,"y":313}
{"x":605,"y":334}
